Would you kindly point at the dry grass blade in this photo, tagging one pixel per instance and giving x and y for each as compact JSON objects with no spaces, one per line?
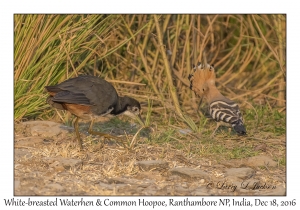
{"x":125,"y":82}
{"x":134,"y":138}
{"x":168,"y":71}
{"x":268,"y":44}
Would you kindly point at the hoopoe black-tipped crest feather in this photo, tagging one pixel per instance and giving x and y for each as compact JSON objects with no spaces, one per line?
{"x":221,"y":109}
{"x":204,"y":76}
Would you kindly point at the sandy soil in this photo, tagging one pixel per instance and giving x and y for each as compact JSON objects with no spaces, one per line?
{"x":48,"y":162}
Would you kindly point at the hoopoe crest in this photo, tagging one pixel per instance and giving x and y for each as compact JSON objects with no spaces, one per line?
{"x":221,"y":109}
{"x":204,"y":77}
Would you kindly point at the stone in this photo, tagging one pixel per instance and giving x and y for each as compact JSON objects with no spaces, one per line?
{"x":57,"y":166}
{"x":70,"y":163}
{"x":179,"y":189}
{"x":17,"y":184}
{"x":201,"y":191}
{"x":189,"y":173}
{"x":55,"y":186}
{"x":28,"y":141}
{"x":261,"y":147}
{"x":242,"y":173}
{"x":67,"y":163}
{"x":148,"y":165}
{"x":130,"y":181}
{"x":46,"y":128}
{"x":261,"y":160}
{"x":150,"y":190}
{"x":234,"y":163}
{"x":22,"y":153}
{"x":105,"y":186}
{"x":150,"y":175}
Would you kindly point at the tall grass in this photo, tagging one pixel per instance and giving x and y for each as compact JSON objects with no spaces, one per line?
{"x":51,"y":48}
{"x":248,"y":52}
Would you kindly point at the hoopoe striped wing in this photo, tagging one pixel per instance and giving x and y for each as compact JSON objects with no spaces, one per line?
{"x":229,"y":112}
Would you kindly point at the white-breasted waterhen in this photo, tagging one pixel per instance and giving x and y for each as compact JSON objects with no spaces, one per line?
{"x":90,"y":97}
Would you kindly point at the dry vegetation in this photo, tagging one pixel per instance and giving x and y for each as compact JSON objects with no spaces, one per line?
{"x":157,"y":52}
{"x":149,"y":58}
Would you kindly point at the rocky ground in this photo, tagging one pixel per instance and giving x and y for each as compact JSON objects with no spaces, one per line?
{"x":47,"y":161}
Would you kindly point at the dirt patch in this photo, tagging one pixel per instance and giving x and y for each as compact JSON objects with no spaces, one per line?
{"x":48,"y":162}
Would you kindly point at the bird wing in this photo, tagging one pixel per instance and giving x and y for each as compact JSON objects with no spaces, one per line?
{"x":74,"y":91}
{"x":71,"y":98}
{"x":86,"y":90}
{"x":225,"y":111}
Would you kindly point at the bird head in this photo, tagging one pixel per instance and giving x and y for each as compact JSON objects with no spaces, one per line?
{"x":202,"y":79}
{"x":132,"y":108}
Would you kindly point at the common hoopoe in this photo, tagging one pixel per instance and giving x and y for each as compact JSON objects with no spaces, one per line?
{"x":221,"y":109}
